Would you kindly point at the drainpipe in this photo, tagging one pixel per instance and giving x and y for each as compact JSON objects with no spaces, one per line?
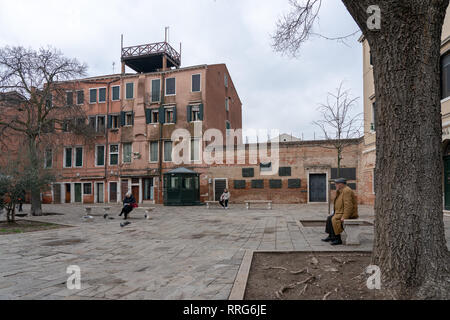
{"x":161,"y":146}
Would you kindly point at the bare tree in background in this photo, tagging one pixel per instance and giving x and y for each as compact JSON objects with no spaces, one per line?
{"x":338,"y":124}
{"x":405,"y":41}
{"x":35,"y":107}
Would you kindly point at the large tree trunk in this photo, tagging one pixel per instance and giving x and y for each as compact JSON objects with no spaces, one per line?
{"x":410,"y":245}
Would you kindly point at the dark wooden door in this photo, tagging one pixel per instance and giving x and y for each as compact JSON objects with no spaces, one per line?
{"x":124,"y":189}
{"x":447,"y":183}
{"x":219,"y":186}
{"x":135,"y":192}
{"x":68,"y":189}
{"x":317,"y":188}
{"x":113,"y":191}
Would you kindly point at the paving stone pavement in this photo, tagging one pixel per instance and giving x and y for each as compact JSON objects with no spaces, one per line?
{"x":180,"y":253}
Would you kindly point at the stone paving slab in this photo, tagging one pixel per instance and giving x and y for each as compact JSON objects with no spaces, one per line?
{"x":181,"y":253}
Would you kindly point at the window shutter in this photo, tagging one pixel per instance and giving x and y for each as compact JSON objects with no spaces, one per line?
{"x":148,"y":116}
{"x":122,"y":119}
{"x":162,"y":116}
{"x":189,"y":113}
{"x":109,"y":121}
{"x":174,"y":114}
{"x":201,"y":112}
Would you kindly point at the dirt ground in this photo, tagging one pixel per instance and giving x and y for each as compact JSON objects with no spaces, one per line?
{"x":21,"y":226}
{"x":307,"y":276}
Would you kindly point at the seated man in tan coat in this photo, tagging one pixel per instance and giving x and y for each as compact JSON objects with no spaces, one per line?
{"x":345,"y":207}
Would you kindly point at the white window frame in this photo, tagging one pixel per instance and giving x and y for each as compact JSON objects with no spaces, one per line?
{"x":96,"y":96}
{"x":112,"y":153}
{"x":192,"y":82}
{"x":96,"y":121}
{"x":227,"y":104}
{"x":96,"y":155}
{"x":151,"y":90}
{"x":82,"y":189}
{"x":112,"y":93}
{"x":151,"y":117}
{"x":126,"y":84}
{"x":126,"y":115}
{"x":166,"y":108}
{"x":45,"y":158}
{"x":225,"y":80}
{"x":199,"y":150}
{"x":98,"y":93}
{"x":80,"y":104}
{"x":64,"y":158}
{"x":150,"y":151}
{"x":75,"y":157}
{"x":165,"y":87}
{"x":192,"y":113}
{"x":118,"y":122}
{"x":164,"y":153}
{"x":73,"y":102}
{"x":131,"y":152}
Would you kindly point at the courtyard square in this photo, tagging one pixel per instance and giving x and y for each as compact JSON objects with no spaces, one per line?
{"x":180,"y":253}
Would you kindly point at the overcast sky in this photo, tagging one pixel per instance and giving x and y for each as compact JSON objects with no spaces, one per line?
{"x":277,"y":92}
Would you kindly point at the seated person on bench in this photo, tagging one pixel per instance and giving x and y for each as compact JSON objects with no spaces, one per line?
{"x":345,"y":207}
{"x":224,"y":198}
{"x":129,"y":203}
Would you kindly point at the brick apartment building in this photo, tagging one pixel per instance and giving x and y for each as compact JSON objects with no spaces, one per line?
{"x":368,"y":157}
{"x":134,"y":116}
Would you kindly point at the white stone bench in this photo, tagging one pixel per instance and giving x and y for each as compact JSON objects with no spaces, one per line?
{"x":352,"y":228}
{"x":249,"y":202}
{"x":208,"y":203}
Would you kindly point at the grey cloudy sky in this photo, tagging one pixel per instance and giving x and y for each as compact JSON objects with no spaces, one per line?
{"x":277,"y":92}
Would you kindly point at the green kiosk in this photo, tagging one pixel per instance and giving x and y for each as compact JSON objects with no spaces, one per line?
{"x":181,"y":188}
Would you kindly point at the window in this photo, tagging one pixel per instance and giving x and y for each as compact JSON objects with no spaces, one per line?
{"x":153,"y":151}
{"x":113,"y":122}
{"x":115,"y":93}
{"x":195,"y":149}
{"x":225,"y":79}
{"x":156,"y":90}
{"x":78,"y":157}
{"x":101,"y":124}
{"x":69,"y":98}
{"x":113,"y":154}
{"x":257,"y":184}
{"x":87,"y":188}
{"x":102,"y":95}
{"x":294,"y":183}
{"x":275,"y":184}
{"x":80,"y":97}
{"x":227,"y":104}
{"x":100,"y":156}
{"x":248,"y":172}
{"x":93,"y":122}
{"x":170,"y":87}
{"x":155,"y":116}
{"x":169,"y":114}
{"x":65,"y":126}
{"x":445,"y":76}
{"x":49,"y":102}
{"x":129,"y":94}
{"x":265,"y":167}
{"x":167,"y":151}
{"x":92,"y":96}
{"x":228,"y":125}
{"x":129,"y":118}
{"x":374,"y":117}
{"x":67,"y":157}
{"x":196,"y":83}
{"x":195,"y":113}
{"x":48,"y":159}
{"x":127,"y":152}
{"x":284,"y":171}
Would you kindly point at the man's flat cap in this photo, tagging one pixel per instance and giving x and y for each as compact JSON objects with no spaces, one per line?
{"x":340,"y":180}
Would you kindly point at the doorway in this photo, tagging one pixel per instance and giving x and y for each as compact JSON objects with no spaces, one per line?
{"x":100,"y":192}
{"x":318,"y":187}
{"x":78,"y":194}
{"x":113,"y":192}
{"x":148,"y":192}
{"x":68,"y":193}
{"x":56,"y":193}
{"x":219,"y":186}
